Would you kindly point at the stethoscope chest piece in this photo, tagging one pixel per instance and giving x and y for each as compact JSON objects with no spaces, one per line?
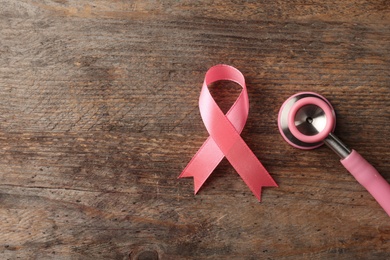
{"x":306,"y":119}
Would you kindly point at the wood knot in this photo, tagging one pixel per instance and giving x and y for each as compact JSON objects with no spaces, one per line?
{"x":147,"y":255}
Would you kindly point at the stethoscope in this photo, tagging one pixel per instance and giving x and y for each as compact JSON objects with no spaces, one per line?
{"x":307,"y":120}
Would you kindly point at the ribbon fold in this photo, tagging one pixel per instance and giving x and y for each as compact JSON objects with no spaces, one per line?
{"x":225,"y":139}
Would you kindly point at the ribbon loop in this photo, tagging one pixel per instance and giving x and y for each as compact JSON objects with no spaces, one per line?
{"x":225,"y":139}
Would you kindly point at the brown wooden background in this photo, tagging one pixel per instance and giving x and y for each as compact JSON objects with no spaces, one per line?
{"x":98,"y":117}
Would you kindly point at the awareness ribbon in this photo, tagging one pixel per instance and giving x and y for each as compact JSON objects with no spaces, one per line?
{"x":225,"y":139}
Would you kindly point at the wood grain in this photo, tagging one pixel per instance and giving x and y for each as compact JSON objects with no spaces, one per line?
{"x":98,"y":117}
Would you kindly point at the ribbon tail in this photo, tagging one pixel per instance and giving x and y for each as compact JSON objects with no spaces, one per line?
{"x":249,"y":168}
{"x":261,"y":181}
{"x":203,"y":163}
{"x":256,"y":187}
{"x":198,"y":180}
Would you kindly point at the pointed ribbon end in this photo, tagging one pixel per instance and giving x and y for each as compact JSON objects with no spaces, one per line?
{"x":257,"y":191}
{"x":198,"y":182}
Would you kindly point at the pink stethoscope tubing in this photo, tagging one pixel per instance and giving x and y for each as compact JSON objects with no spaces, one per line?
{"x":369,"y":178}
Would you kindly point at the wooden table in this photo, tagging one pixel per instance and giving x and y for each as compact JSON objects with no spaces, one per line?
{"x":99,"y":115}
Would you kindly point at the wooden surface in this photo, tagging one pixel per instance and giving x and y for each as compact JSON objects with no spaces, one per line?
{"x":98,"y":117}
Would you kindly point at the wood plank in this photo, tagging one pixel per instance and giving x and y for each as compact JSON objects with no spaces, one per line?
{"x":99,"y":115}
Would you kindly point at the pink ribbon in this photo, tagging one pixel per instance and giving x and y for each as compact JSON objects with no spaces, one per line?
{"x":225,"y":139}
